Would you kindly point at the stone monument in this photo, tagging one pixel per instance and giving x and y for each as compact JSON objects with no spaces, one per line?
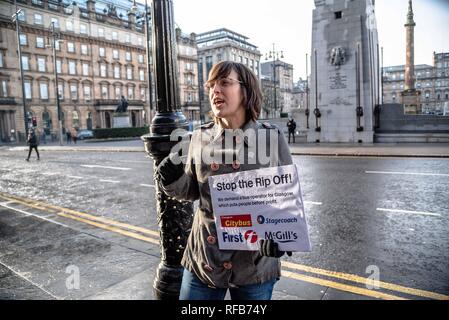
{"x":410,"y":96}
{"x":121,"y":115}
{"x":345,"y":71}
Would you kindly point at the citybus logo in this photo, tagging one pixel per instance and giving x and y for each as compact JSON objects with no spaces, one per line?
{"x":236,"y":221}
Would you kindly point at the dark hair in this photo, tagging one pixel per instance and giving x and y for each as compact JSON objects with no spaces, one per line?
{"x":252,"y":95}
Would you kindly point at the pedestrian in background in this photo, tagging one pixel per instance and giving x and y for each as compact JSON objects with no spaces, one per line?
{"x":236,"y":98}
{"x":291,"y":125}
{"x":74,"y":135}
{"x":33,"y":142}
{"x":68,"y":137}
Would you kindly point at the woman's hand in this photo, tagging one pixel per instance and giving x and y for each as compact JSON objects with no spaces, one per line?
{"x":269,"y":248}
{"x":170,"y":172}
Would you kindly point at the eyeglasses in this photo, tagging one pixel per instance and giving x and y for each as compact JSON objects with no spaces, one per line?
{"x":223,"y":83}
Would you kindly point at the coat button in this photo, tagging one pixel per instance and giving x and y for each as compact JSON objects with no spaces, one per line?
{"x":215,"y":166}
{"x":238,"y":139}
{"x":208,"y":268}
{"x":227,"y":265}
{"x":236,"y":165}
{"x":211,"y":240}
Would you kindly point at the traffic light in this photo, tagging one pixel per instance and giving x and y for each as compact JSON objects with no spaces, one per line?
{"x":34,"y":121}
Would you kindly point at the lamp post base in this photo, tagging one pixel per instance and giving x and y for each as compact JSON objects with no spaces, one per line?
{"x":167,"y":283}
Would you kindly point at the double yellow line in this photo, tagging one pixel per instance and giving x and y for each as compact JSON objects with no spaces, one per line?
{"x":289,"y":269}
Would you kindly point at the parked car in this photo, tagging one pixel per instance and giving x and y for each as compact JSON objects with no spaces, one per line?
{"x":85,"y":134}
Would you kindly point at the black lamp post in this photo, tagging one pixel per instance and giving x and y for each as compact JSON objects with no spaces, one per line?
{"x":58,"y":104}
{"x":275,"y":56}
{"x":15,"y":18}
{"x":175,"y":218}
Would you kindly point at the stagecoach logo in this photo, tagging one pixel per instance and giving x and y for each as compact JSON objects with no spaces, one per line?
{"x":337,"y":56}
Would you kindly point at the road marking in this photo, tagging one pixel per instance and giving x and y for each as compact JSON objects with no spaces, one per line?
{"x":109,"y":228}
{"x":75,"y":177}
{"x":35,"y":215}
{"x":53,"y":208}
{"x":70,"y":214}
{"x":409,"y":173}
{"x":358,"y":279}
{"x":313,"y":203}
{"x":147,"y":185}
{"x":96,"y":224}
{"x":5,"y":203}
{"x":410,"y":212}
{"x":104,"y":167}
{"x":340,"y":286}
{"x":109,"y":181}
{"x":30,"y":281}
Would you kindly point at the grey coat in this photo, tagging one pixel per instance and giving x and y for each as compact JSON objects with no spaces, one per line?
{"x":224,"y":268}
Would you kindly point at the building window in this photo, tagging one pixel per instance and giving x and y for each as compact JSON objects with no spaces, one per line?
{"x":128,"y":56}
{"x":141,"y":75}
{"x":70,"y":47}
{"x":102,"y":52}
{"x":140,"y":41}
{"x":103,"y":71}
{"x":87,"y":95}
{"x":84,"y":50}
{"x":104,"y":91}
{"x":101,"y":32}
{"x":28,"y":94}
{"x":22,"y":15}
{"x":127,"y":38}
{"x":43,"y":88}
{"x":129,"y":73}
{"x":83,"y":28}
{"x":115,"y":54}
{"x":40,"y":42}
{"x":74,"y":91}
{"x":25,"y":64}
{"x":61,"y":91}
{"x":118,"y":92}
{"x":55,"y":22}
{"x":117,"y":72}
{"x":1,"y":59}
{"x":131,"y":93}
{"x":41,"y":64}
{"x":23,"y":39}
{"x":58,"y":66}
{"x":57,"y":45}
{"x":142,"y":94}
{"x":38,"y":19}
{"x":72,"y":67}
{"x":4,"y":88}
{"x":141,"y":58}
{"x":338,"y":15}
{"x":114,"y":35}
{"x":85,"y":69}
{"x":69,"y":25}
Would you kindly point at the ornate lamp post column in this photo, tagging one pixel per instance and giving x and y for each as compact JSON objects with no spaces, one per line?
{"x":175,"y":218}
{"x":275,"y":55}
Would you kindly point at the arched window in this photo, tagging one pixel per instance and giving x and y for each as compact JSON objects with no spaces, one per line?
{"x":46,"y":122}
{"x":89,"y":121}
{"x":75,"y":120}
{"x":107,"y":116}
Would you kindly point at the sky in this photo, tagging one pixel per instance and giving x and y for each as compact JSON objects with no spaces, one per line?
{"x":288,"y":24}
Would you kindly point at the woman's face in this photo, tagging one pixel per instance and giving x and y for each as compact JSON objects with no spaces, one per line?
{"x":225,"y":96}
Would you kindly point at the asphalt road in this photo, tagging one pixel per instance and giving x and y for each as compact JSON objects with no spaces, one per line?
{"x":383,"y":214}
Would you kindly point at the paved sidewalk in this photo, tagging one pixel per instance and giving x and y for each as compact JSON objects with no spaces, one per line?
{"x":431,"y":150}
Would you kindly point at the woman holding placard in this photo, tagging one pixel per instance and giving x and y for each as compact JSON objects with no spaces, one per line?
{"x":234,"y":142}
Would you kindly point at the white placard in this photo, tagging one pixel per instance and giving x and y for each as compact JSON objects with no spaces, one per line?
{"x":260,"y":204}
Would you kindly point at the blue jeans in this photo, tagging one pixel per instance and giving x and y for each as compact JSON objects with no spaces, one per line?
{"x":193,"y":289}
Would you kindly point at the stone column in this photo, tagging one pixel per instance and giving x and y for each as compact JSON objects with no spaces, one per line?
{"x":410,"y":50}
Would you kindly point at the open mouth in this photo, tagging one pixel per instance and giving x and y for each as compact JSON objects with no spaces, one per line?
{"x":218,"y":102}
